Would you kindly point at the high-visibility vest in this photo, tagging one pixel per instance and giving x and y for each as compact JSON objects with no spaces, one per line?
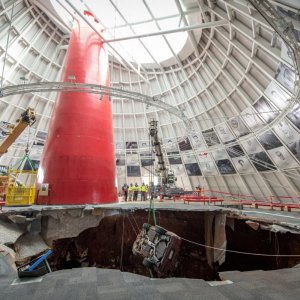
{"x":143,"y":188}
{"x":130,"y":189}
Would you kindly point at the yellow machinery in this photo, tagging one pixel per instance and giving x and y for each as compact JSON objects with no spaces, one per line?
{"x":18,"y":193}
{"x":4,"y":179}
{"x":27,"y":119}
{"x":12,"y":190}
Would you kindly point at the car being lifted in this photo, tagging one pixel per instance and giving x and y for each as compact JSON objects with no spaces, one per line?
{"x":159,"y":248}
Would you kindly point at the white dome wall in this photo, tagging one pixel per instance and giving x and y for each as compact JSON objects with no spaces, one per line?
{"x":228,"y":72}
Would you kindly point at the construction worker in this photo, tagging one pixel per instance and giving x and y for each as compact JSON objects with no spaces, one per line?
{"x":130,"y":192}
{"x":125,"y":191}
{"x":143,"y":192}
{"x":135,"y":192}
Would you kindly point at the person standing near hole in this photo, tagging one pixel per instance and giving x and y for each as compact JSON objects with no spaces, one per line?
{"x":125,"y":191}
{"x":135,"y":192}
{"x":143,"y":192}
{"x":130,"y":192}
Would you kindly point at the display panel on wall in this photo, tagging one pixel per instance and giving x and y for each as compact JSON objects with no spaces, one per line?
{"x":252,"y":119}
{"x":189,"y":157}
{"x":121,"y":171}
{"x":132,"y":159}
{"x":4,"y":170}
{"x":252,"y":146}
{"x":170,"y":144}
{"x":290,"y":137}
{"x":185,"y":145}
{"x":235,"y":151}
{"x":294,"y":115}
{"x":286,"y":77}
{"x":174,"y":158}
{"x":120,"y":160}
{"x":285,"y":54}
{"x":120,"y":145}
{"x":40,"y":137}
{"x":224,"y":133}
{"x":282,"y":158}
{"x":295,"y":149}
{"x":133,"y":171}
{"x":208,"y":168}
{"x":210,"y":137}
{"x":265,"y":109}
{"x":269,"y":140}
{"x":193,"y":169}
{"x":242,"y":164}
{"x":146,"y":159}
{"x":4,"y":129}
{"x":38,"y":145}
{"x":131,"y":145}
{"x":286,"y":132}
{"x":276,"y":95}
{"x":178,"y":170}
{"x":261,"y":161}
{"x":198,"y":141}
{"x":238,"y":126}
{"x":219,"y":154}
{"x":225,"y":166}
{"x":144,"y":144}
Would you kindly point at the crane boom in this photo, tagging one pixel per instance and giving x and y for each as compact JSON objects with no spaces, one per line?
{"x":27,"y":119}
{"x":157,"y":148}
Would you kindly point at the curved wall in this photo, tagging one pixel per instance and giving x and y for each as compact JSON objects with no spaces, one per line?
{"x":230,"y":86}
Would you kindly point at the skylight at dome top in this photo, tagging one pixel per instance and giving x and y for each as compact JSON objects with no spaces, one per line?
{"x":134,"y":17}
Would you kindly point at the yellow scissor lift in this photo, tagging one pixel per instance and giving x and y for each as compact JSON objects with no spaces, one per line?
{"x":21,"y":189}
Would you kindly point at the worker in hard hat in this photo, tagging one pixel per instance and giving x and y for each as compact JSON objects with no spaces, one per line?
{"x":143,"y":192}
{"x":130,"y":192}
{"x":135,"y":192}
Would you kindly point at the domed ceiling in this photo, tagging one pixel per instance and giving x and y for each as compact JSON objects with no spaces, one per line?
{"x":220,"y":63}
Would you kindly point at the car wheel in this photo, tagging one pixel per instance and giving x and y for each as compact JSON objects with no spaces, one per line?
{"x":148,"y":263}
{"x":159,"y":230}
{"x":146,"y":226}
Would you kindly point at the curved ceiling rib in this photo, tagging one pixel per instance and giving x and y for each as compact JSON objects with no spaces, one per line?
{"x":93,"y":89}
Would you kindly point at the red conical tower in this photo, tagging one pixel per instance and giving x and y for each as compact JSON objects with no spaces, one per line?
{"x":78,"y":161}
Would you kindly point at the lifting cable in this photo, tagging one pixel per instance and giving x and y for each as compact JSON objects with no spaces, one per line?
{"x":25,"y":158}
{"x":151,"y":204}
{"x":241,"y":252}
{"x":132,"y":225}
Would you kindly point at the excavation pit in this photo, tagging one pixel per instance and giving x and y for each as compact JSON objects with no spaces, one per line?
{"x":102,"y":236}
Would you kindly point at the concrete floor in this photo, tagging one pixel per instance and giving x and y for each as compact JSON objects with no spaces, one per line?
{"x":92,"y":283}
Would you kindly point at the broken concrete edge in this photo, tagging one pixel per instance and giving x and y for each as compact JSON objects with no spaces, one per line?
{"x":8,"y":257}
{"x":268,"y":224}
{"x":70,"y":221}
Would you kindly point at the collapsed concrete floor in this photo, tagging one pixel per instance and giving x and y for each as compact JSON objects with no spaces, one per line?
{"x":109,"y":245}
{"x":103,"y":237}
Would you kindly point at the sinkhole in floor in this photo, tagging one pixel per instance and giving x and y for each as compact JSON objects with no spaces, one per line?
{"x":109,"y":245}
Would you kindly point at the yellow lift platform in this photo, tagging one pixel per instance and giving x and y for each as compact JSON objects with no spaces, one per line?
{"x":21,"y":189}
{"x":12,"y":190}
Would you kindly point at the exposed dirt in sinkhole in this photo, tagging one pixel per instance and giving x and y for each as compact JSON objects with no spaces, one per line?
{"x":109,"y":245}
